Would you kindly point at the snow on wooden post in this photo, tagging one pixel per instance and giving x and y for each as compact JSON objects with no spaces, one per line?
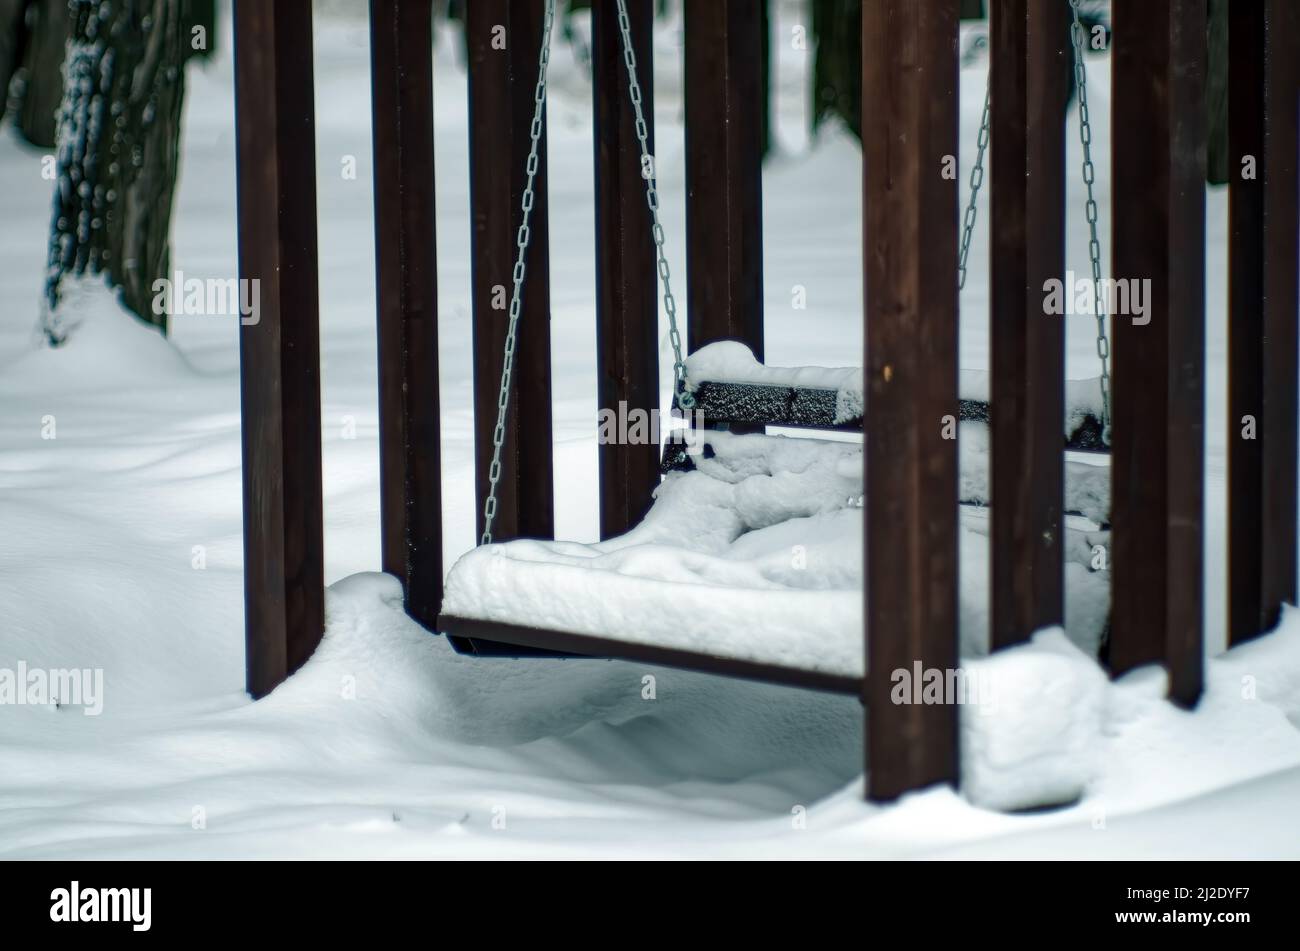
{"x":1159,"y":156}
{"x":1262,"y":118}
{"x":503,"y":38}
{"x":724,"y":166}
{"x":279,"y":345}
{"x":627,"y":310}
{"x":1030,"y":84}
{"x":410,"y":476}
{"x":909,"y":133}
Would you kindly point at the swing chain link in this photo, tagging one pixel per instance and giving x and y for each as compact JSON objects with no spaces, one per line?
{"x":1094,"y":245}
{"x":684,"y":398}
{"x":1090,"y":208}
{"x":976,"y":180}
{"x":517,"y":276}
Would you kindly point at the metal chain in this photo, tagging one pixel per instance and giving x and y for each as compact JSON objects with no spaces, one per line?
{"x":976,"y":180}
{"x":517,"y":277}
{"x":1089,"y":176}
{"x":684,"y":399}
{"x":1094,"y":245}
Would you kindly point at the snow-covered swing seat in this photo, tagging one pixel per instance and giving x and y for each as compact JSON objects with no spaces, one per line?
{"x":749,"y":561}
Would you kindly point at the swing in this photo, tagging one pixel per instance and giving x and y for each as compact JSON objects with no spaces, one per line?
{"x":736,"y":390}
{"x":716,"y":542}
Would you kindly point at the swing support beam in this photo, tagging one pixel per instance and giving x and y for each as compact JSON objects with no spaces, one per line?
{"x":909,"y":78}
{"x":1029,"y":85}
{"x":1158,"y":449}
{"x":502,"y":77}
{"x":279,"y":353}
{"x":627,"y":304}
{"x":410,"y":458}
{"x":1264,"y":75}
{"x":724,"y":181}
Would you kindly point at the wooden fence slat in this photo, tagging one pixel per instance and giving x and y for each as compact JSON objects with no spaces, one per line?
{"x":501,"y":89}
{"x":1030,"y":84}
{"x":401,"y":74}
{"x":1281,"y":300}
{"x":1159,"y":156}
{"x":279,"y":354}
{"x":1246,"y":50}
{"x":627,"y":309}
{"x":724,"y":182}
{"x":909,"y":123}
{"x":1262,"y":368}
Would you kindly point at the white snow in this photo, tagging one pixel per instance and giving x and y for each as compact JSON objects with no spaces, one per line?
{"x":1033,"y":737}
{"x":121,"y":551}
{"x":756,"y":555}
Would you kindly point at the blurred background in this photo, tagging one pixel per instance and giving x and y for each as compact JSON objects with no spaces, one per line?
{"x":129,"y":58}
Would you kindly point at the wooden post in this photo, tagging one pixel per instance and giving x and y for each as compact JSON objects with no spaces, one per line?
{"x":910,"y":262}
{"x":1159,"y":160}
{"x":401,"y":82}
{"x":1030,"y":75}
{"x":279,"y":345}
{"x":504,"y":39}
{"x":627,"y":309}
{"x":724,"y":165}
{"x":1262,"y":369}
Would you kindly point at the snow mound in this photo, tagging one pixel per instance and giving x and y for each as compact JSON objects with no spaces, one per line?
{"x":105,"y":345}
{"x":1032,"y":738}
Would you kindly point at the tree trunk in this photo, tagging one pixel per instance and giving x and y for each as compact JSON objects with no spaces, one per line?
{"x":199,"y":13}
{"x":11,"y":32}
{"x":837,"y":64}
{"x":41,"y":88}
{"x":1216,"y":94}
{"x":765,"y":77}
{"x":119,"y":137}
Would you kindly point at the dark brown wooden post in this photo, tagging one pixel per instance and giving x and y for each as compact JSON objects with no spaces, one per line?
{"x":279,"y":345}
{"x":909,"y":129}
{"x":1030,"y":76}
{"x":401,"y":82}
{"x":1262,"y":370}
{"x":627,"y":310}
{"x":724,"y":164}
{"x":503,"y":39}
{"x":1159,"y":366}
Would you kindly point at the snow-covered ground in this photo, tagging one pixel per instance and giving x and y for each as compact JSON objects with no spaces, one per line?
{"x":120,"y":551}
